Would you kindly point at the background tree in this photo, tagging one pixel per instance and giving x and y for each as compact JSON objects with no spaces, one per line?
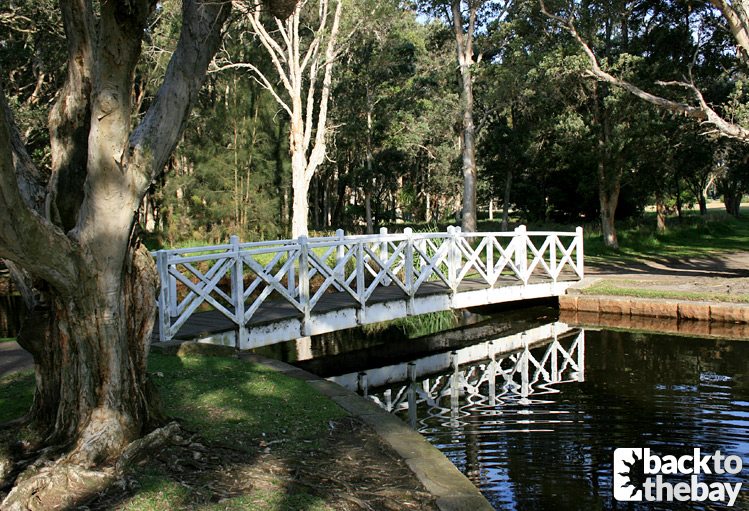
{"x":734,"y":18}
{"x":301,"y":48}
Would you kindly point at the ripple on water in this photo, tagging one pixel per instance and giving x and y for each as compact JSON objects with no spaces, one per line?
{"x":548,"y":443}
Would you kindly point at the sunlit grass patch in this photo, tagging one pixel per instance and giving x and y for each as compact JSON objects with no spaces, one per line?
{"x":16,"y":395}
{"x":157,"y":493}
{"x":629,"y":288}
{"x":693,"y":236}
{"x":225,"y":398}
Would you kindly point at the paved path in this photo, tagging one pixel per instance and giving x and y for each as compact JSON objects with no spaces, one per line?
{"x":720,"y":274}
{"x":14,"y":359}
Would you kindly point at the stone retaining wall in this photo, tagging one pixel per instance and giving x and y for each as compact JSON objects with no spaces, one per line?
{"x":704,"y":319}
{"x":656,"y":308}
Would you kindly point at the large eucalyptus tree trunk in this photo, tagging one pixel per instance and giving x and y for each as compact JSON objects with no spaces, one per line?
{"x":91,"y":319}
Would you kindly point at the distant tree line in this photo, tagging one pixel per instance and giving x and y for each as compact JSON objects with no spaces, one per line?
{"x":430,"y":104}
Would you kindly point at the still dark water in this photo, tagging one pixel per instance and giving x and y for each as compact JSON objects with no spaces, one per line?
{"x":552,"y":447}
{"x":533,"y":417}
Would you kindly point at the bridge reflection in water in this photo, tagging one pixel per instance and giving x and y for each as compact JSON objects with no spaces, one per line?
{"x":508,"y":370}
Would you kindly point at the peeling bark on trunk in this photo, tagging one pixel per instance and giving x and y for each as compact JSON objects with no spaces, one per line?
{"x":90,"y":329}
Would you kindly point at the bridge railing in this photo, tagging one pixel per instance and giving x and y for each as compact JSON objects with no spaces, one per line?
{"x":236,"y":279}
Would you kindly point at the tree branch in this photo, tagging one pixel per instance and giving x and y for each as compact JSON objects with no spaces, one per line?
{"x":276,"y":53}
{"x":154,"y":139}
{"x":485,"y":118}
{"x":26,"y":237}
{"x":703,"y":112}
{"x":318,"y":152}
{"x":261,"y":79}
{"x":69,"y":118}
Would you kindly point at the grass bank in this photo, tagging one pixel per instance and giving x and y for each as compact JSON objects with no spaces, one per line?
{"x":249,"y":415}
{"x":693,"y":236}
{"x":638,"y":289}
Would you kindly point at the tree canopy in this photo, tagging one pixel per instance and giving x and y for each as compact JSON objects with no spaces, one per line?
{"x":185,"y":122}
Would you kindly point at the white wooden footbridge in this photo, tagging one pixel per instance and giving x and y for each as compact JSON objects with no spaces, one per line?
{"x":249,"y":295}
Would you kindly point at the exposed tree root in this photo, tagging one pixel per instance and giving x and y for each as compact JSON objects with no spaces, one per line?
{"x":48,"y":484}
{"x":56,"y":487}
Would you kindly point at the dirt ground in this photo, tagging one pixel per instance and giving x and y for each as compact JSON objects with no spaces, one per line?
{"x":352,"y":470}
{"x":721,"y":274}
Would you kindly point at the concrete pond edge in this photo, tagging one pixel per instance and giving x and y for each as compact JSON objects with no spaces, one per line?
{"x":452,"y":490}
{"x":665,"y":315}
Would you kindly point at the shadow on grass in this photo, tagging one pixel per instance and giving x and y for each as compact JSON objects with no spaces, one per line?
{"x":253,"y":439}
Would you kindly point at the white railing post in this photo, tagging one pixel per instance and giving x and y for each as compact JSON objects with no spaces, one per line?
{"x":291,"y":276}
{"x":409,"y":268}
{"x":304,"y":282}
{"x":490,"y":259}
{"x":521,"y":252}
{"x":237,"y":294}
{"x":580,"y":255}
{"x":340,"y":253}
{"x":384,"y":253}
{"x":361,"y":288}
{"x":452,"y":253}
{"x":165,"y":306}
{"x":553,"y":256}
{"x":173,"y":300}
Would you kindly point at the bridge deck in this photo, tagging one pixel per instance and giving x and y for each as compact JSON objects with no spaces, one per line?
{"x":207,"y":323}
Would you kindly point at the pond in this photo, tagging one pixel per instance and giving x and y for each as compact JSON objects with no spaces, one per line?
{"x":534,"y":416}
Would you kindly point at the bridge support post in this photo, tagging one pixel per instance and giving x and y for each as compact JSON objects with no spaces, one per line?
{"x":579,"y":251}
{"x":165,"y":305}
{"x":304,"y":282}
{"x":451,"y":256}
{"x":384,"y":253}
{"x":553,"y":240}
{"x":340,"y":253}
{"x":521,"y":252}
{"x":409,"y":270}
{"x":490,"y":259}
{"x":237,"y":294}
{"x":361,"y":288}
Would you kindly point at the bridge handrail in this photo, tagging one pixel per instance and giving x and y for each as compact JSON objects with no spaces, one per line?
{"x":353,"y":264}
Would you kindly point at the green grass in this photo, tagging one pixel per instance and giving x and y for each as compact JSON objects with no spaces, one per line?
{"x":157,"y":494}
{"x":16,"y":395}
{"x":418,"y":326}
{"x":222,"y":397}
{"x":7,"y":339}
{"x":613,"y":287}
{"x":694,"y":236}
{"x":229,"y":402}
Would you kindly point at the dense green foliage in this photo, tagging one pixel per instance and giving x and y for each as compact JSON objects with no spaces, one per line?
{"x":552,"y":143}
